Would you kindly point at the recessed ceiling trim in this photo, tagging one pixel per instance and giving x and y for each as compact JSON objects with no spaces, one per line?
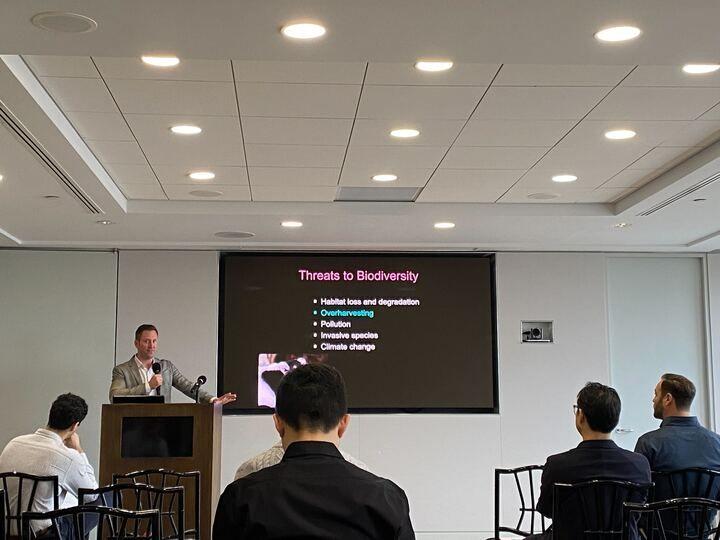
{"x":11,"y":237}
{"x":25,"y":76}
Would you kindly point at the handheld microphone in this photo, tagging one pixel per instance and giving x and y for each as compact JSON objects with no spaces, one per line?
{"x":195,"y":390}
{"x":157,"y":368}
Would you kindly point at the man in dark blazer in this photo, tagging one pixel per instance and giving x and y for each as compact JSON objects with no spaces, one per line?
{"x":313,"y":492}
{"x":597,"y":457}
{"x":136,"y":377}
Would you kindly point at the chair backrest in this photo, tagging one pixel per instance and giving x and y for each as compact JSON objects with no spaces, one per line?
{"x":593,"y":510}
{"x":692,"y":482}
{"x":656,"y":515}
{"x":76,"y":522}
{"x":168,"y":501}
{"x":163,"y":478}
{"x":21,"y":491}
{"x":527,"y":490}
{"x":2,"y":514}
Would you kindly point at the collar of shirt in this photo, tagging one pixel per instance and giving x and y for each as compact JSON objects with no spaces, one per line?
{"x":311,"y":448}
{"x":140,"y":364}
{"x":50,"y":435}
{"x":602,"y":443}
{"x":691,"y":421}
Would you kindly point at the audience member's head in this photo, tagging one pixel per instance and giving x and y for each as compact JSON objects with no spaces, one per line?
{"x":66,"y":413}
{"x":673,"y":396}
{"x":598,"y":410}
{"x":311,"y":405}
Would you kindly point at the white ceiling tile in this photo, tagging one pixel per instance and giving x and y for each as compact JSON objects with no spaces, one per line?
{"x":630,"y":178}
{"x":495,"y":157}
{"x":117,"y":152}
{"x":294,"y":194}
{"x":385,"y":159}
{"x":181,"y":192}
{"x":513,"y":132}
{"x":143,"y":191}
{"x":538,"y":103}
{"x":174,"y":97}
{"x":649,"y":133}
{"x":293,"y":176}
{"x":697,"y":133}
{"x":541,"y":179}
{"x":669,"y":76}
{"x":131,"y":174}
{"x":186,"y":70}
{"x":274,"y":155}
{"x":712,"y":114}
{"x":560,"y":75}
{"x":77,"y":94}
{"x":62,"y":66}
{"x":562,"y":194}
{"x":463,"y":186}
{"x":313,"y":131}
{"x":220,"y":142}
{"x":663,"y":158}
{"x":299,"y":72}
{"x":178,"y":174}
{"x":655,"y":103}
{"x":602,"y":195}
{"x":362,"y":177}
{"x":298,"y":100}
{"x":432,"y":132}
{"x":385,"y":73}
{"x":413,"y":103}
{"x":100,"y":126}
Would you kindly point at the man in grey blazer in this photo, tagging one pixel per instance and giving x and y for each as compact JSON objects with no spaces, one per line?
{"x":136,"y":377}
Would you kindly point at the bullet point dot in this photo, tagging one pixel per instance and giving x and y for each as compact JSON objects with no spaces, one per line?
{"x":314,"y":334}
{"x":314,"y":346}
{"x":314,"y":311}
{"x":314,"y":324}
{"x":315,"y":301}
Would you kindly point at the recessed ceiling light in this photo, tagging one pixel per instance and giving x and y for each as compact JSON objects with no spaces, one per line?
{"x":63,"y":21}
{"x":616,"y":34}
{"x":291,"y":224}
{"x":620,"y":134}
{"x":161,"y":61}
{"x":564,"y":178}
{"x":385,"y":177}
{"x":405,"y":133}
{"x":433,"y":65}
{"x":303,"y":31}
{"x":622,"y":225}
{"x":205,"y":193}
{"x":202,"y":175}
{"x":1,"y":177}
{"x":699,"y":69}
{"x":105,"y":222}
{"x":186,"y":130}
{"x":444,"y":225}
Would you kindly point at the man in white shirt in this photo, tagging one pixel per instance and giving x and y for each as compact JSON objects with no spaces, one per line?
{"x":54,"y":450}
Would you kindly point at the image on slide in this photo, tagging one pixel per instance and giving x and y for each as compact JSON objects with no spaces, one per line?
{"x":272,"y":367}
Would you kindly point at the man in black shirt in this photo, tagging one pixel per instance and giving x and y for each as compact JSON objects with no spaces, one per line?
{"x":313,"y":493}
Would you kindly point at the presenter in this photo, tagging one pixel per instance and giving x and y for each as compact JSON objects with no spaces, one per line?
{"x":145,"y":375}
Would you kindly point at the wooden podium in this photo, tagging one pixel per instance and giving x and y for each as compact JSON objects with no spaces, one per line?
{"x":178,"y":436}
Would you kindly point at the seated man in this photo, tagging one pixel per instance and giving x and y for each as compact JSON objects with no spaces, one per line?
{"x":52,"y":451}
{"x":273,"y":456}
{"x":313,"y":492}
{"x":597,"y":457}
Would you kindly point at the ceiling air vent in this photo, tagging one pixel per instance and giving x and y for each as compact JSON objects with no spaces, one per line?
{"x":24,"y":136}
{"x":376,"y":194}
{"x":684,"y":193}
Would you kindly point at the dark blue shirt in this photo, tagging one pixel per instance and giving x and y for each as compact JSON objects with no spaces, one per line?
{"x":680,"y":443}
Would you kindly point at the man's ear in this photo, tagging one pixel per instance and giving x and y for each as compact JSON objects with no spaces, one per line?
{"x":279,"y":425}
{"x":343,"y":425}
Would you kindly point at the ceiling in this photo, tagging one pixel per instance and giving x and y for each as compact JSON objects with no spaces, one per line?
{"x":296,"y":130}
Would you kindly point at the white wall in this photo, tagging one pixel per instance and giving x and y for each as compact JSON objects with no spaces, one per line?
{"x":57,"y":330}
{"x":713,"y":279}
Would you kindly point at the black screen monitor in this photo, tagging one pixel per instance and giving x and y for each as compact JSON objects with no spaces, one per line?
{"x":156,"y":436}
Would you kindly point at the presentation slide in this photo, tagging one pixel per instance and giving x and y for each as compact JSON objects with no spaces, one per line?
{"x":411,"y":333}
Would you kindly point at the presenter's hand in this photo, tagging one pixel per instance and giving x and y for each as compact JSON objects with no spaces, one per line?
{"x":224,"y":399}
{"x":155,"y":381}
{"x":73,"y":441}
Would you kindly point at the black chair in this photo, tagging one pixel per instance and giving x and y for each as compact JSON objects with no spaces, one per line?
{"x":527,"y":485}
{"x":26,"y":487}
{"x":112,"y":523}
{"x":163,"y":478}
{"x":169,"y":502}
{"x":594,"y":509}
{"x":678,"y":510}
{"x":694,"y":482}
{"x":2,"y":514}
